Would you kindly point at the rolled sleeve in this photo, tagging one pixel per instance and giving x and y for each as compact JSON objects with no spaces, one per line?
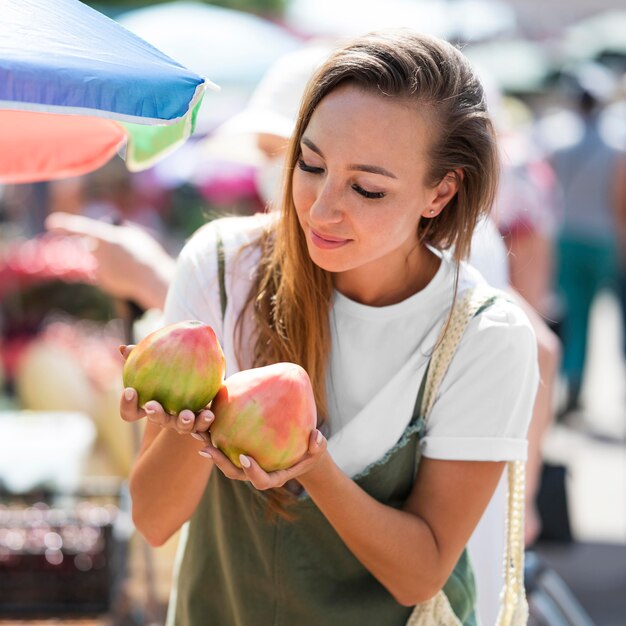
{"x":484,"y":404}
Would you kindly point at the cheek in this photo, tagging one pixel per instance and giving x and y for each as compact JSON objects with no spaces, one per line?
{"x":390,"y":226}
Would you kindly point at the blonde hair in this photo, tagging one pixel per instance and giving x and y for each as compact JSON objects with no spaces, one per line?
{"x":291,"y":296}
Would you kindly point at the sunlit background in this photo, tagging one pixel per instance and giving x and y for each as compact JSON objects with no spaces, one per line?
{"x":67,"y":546}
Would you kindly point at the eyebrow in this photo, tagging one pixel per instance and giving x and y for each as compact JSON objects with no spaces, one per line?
{"x":373,"y":169}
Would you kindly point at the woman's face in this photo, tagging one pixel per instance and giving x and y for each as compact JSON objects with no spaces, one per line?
{"x":359,"y":191}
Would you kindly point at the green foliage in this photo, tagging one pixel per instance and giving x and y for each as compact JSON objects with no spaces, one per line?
{"x":268,"y":8}
{"x":24,"y":311}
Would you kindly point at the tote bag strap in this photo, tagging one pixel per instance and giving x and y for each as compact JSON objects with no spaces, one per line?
{"x":513,"y":605}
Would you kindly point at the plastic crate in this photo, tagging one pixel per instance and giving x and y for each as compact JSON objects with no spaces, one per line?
{"x":62,"y":555}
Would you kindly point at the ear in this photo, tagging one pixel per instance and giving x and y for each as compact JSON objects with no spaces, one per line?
{"x":443,"y":193}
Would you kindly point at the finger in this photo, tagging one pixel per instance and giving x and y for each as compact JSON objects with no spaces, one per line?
{"x":259,"y":477}
{"x":185,"y":422}
{"x":317,"y":446}
{"x":129,"y":410}
{"x":269,"y":480}
{"x":223,"y":463}
{"x":156,"y":413}
{"x":203,"y":421}
{"x":204,"y":437}
{"x":317,"y":442}
{"x":126,"y":350}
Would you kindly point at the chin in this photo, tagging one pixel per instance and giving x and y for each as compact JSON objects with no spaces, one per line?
{"x":323,"y":259}
{"x":326,"y":262}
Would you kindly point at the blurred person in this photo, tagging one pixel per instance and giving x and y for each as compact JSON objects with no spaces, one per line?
{"x":526,"y":208}
{"x":526,"y":213}
{"x":110,"y":194}
{"x":67,"y":195}
{"x":592,"y":234}
{"x":131,"y":264}
{"x":369,"y":544}
{"x":613,"y":125}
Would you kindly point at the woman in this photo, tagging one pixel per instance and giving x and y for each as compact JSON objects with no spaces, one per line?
{"x":392,"y":163}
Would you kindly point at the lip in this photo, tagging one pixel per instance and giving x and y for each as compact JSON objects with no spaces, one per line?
{"x":326,"y":242}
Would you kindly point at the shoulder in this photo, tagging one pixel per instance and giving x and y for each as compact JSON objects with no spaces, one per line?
{"x":473,"y":284}
{"x":500,"y":335}
{"x":501,"y":321}
{"x":194,"y":291}
{"x":484,"y":403}
{"x":234,"y":233}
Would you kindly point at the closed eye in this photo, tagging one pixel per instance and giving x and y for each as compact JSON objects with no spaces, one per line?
{"x":371,"y":195}
{"x":307,"y":168}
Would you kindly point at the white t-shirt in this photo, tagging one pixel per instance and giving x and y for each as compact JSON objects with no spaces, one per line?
{"x":379,"y":355}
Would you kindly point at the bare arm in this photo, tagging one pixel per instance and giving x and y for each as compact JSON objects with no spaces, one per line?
{"x":412,"y":551}
{"x":166,"y":484}
{"x":531,"y":268}
{"x":131,"y":263}
{"x":169,"y":476}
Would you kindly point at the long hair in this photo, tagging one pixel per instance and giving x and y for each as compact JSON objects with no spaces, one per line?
{"x":291,"y":295}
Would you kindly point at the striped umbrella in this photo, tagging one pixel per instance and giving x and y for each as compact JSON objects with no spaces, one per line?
{"x":77,"y":88}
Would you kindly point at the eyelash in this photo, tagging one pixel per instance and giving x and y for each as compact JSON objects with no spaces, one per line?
{"x":307,"y":168}
{"x":370,"y":195}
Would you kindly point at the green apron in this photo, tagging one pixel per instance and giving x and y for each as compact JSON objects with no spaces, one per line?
{"x":241,"y":567}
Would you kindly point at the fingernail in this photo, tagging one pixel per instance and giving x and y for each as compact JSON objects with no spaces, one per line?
{"x":129,"y":393}
{"x":150,"y":409}
{"x":205,"y":453}
{"x":186,"y":419}
{"x":319,"y":438}
{"x":197,"y":436}
{"x":244,"y":460}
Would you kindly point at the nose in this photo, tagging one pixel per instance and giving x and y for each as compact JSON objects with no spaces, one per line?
{"x":326,"y":206}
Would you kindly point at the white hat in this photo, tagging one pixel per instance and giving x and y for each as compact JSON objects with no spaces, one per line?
{"x":273,"y":106}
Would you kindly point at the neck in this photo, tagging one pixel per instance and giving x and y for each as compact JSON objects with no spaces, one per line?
{"x":387,"y":286}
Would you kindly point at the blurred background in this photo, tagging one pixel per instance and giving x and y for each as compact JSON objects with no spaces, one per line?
{"x":555,"y":74}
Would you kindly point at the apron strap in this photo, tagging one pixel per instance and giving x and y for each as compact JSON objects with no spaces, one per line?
{"x":221,"y":272}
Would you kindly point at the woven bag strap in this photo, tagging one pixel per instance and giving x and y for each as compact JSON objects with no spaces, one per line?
{"x":472,"y":301}
{"x":513,"y":604}
{"x":513,"y":607}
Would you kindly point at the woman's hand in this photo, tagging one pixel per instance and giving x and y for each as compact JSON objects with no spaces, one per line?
{"x":185,"y":423}
{"x":251,"y":471}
